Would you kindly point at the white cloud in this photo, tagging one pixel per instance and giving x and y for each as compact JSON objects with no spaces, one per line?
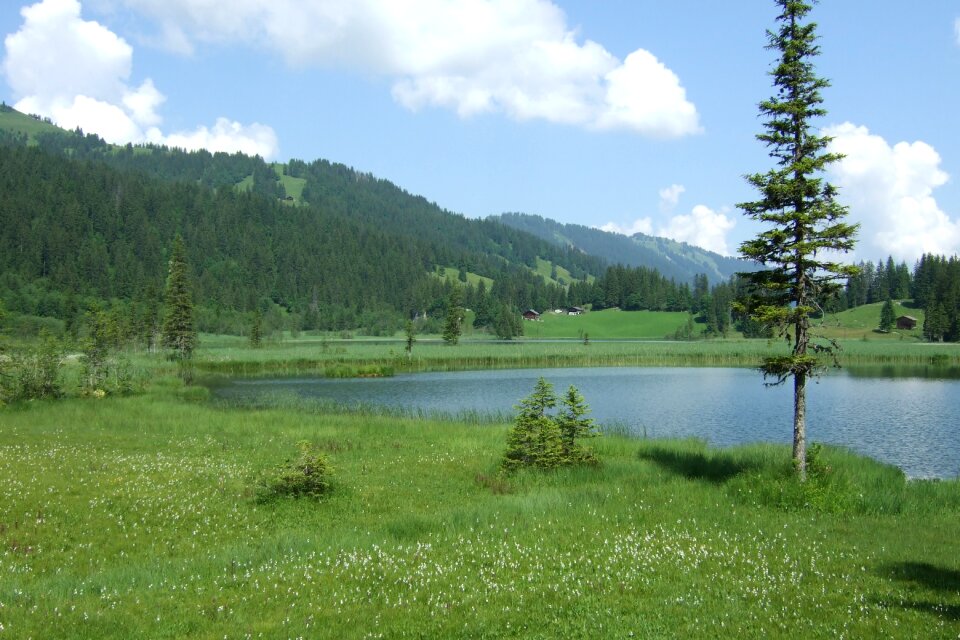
{"x":255,"y":139}
{"x":889,"y":190}
{"x":77,"y":73}
{"x":640,"y":225}
{"x":517,"y":57}
{"x":702,"y":227}
{"x":670,"y":196}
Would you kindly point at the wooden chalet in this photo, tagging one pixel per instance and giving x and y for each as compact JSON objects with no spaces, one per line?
{"x":906,"y":322}
{"x":531,"y":315}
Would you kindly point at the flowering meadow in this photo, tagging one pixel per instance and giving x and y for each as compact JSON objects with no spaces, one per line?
{"x":136,"y":517}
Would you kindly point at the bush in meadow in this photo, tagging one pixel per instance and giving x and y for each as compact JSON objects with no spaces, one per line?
{"x":305,"y":476}
{"x":34,"y":374}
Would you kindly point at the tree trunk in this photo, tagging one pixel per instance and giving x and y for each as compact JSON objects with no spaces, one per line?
{"x":800,"y":424}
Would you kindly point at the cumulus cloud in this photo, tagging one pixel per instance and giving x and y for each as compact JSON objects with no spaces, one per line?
{"x":225,"y":135}
{"x":702,"y":227}
{"x":889,"y":189}
{"x":640,"y":225}
{"x":670,"y":196}
{"x":517,"y":57}
{"x":77,"y":73}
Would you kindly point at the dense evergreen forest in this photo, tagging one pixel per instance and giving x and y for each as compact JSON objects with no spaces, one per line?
{"x":74,"y":231}
{"x":85,"y":225}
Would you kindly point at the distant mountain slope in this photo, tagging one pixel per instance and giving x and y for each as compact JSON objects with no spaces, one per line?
{"x":677,"y":260}
{"x":82,"y":221}
{"x":14,"y":125}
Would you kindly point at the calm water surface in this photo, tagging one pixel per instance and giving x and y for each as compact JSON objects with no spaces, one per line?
{"x":908,"y":420}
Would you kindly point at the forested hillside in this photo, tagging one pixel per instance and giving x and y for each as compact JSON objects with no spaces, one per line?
{"x":677,"y":260}
{"x":82,"y":221}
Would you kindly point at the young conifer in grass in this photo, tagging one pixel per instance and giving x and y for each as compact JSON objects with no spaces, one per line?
{"x":541,"y":440}
{"x":805,"y":222}
{"x":574,"y":425}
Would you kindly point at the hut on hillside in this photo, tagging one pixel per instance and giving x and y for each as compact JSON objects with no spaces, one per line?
{"x":906,"y":322}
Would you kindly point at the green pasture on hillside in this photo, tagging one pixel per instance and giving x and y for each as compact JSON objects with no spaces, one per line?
{"x":11,"y":120}
{"x":292,"y":186}
{"x":545,"y":269}
{"x":451,"y":274}
{"x":608,"y":324}
{"x":862,"y":322}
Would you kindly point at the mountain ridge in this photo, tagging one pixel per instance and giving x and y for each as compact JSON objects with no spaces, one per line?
{"x":678,"y":260}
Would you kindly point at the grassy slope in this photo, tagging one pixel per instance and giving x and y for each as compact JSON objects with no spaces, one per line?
{"x":450,"y":274}
{"x":292,"y":186}
{"x":21,"y":123}
{"x":544,"y":269}
{"x":609,"y":323}
{"x":133,"y":518}
{"x":861,"y":323}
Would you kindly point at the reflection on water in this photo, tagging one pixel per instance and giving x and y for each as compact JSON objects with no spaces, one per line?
{"x":907,"y":421}
{"x":901,"y":371}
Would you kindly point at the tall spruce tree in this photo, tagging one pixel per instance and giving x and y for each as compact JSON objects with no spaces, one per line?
{"x":805,"y":221}
{"x":887,"y":315}
{"x":453,"y":323}
{"x":178,"y":332}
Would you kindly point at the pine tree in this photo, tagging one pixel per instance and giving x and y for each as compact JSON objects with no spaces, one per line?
{"x":574,"y":425}
{"x":411,"y":334}
{"x":806,"y":221}
{"x":526,"y":442}
{"x":452,"y":326}
{"x":887,"y":316}
{"x":936,"y":323}
{"x":256,"y":330}
{"x":178,"y":333}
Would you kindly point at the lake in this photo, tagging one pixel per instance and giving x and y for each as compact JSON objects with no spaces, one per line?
{"x":907,"y":418}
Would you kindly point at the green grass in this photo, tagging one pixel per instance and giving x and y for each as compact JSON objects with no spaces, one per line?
{"x":608,"y":324}
{"x":862,"y":322}
{"x":135,"y":517}
{"x":246,"y":184}
{"x":12,"y":120}
{"x":544,"y":269}
{"x":232,"y":355}
{"x":451,"y":274}
{"x":292,"y":186}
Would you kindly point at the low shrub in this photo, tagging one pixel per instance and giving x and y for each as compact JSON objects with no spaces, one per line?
{"x":305,"y":476}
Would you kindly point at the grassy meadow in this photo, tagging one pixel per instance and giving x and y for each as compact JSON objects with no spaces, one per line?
{"x":609,"y":324}
{"x":135,"y":517}
{"x":138,"y":516}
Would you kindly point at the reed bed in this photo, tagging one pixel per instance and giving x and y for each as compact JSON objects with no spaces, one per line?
{"x":315,"y":357}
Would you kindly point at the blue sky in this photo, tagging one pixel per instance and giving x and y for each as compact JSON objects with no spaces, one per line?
{"x":631,"y":115}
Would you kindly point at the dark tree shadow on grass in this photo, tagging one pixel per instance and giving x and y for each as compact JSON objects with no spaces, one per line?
{"x":925,"y":575}
{"x":933,"y":578}
{"x":696,"y":465}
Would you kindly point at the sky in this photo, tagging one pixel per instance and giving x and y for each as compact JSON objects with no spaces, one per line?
{"x":626,"y":115}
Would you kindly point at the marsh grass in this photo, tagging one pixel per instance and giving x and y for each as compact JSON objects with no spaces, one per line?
{"x":136,"y":517}
{"x":221,"y":355}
